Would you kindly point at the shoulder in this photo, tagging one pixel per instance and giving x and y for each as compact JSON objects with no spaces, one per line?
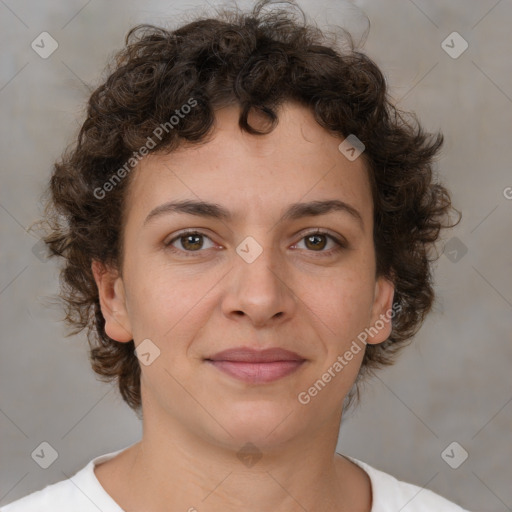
{"x":390,"y":494}
{"x":56,"y":497}
{"x":80,"y":493}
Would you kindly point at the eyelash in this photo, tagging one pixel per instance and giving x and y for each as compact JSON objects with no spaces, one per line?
{"x":340,"y":243}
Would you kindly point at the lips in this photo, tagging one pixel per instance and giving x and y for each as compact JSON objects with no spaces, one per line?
{"x":249,"y":355}
{"x":256,"y":366}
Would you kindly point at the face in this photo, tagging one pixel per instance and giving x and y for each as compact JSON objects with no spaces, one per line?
{"x":262,"y":276}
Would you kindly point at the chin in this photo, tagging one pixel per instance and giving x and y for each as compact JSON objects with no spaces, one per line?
{"x":264,"y":423}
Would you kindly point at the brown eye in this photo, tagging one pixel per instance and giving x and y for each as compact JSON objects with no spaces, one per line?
{"x":191,"y":242}
{"x":188,"y":242}
{"x":317,"y":241}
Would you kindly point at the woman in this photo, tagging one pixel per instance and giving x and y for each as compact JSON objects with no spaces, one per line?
{"x":246,"y":224}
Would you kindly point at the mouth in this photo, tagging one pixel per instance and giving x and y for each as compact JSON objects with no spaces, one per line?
{"x":256,"y":366}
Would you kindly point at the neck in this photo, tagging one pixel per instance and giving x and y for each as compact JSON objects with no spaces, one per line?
{"x":183,"y":471}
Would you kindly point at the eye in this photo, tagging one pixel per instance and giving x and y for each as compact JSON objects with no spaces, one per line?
{"x":317,"y":240}
{"x":190,"y":241}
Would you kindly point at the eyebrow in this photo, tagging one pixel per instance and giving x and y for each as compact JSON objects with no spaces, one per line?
{"x":294,"y":211}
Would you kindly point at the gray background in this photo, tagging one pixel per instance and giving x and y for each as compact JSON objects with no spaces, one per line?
{"x":452,"y":384}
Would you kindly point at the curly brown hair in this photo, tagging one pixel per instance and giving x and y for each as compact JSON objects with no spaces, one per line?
{"x":255,"y":60}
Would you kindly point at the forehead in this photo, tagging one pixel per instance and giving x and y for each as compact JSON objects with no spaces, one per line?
{"x":254,"y":175}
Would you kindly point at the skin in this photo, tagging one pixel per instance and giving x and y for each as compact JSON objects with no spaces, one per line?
{"x":295,"y":295}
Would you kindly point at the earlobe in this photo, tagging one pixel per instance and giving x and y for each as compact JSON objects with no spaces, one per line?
{"x":382,"y":311}
{"x":112,"y":301}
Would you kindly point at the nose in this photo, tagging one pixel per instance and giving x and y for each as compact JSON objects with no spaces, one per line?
{"x":260,"y":291}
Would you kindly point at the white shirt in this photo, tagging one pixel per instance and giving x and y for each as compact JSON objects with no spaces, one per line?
{"x":84,"y":493}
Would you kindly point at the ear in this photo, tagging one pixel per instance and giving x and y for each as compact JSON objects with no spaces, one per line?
{"x":382,"y":312}
{"x":112,"y":301}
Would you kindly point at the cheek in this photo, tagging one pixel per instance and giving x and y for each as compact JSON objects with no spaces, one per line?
{"x":344,"y":303}
{"x":165,"y":300}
